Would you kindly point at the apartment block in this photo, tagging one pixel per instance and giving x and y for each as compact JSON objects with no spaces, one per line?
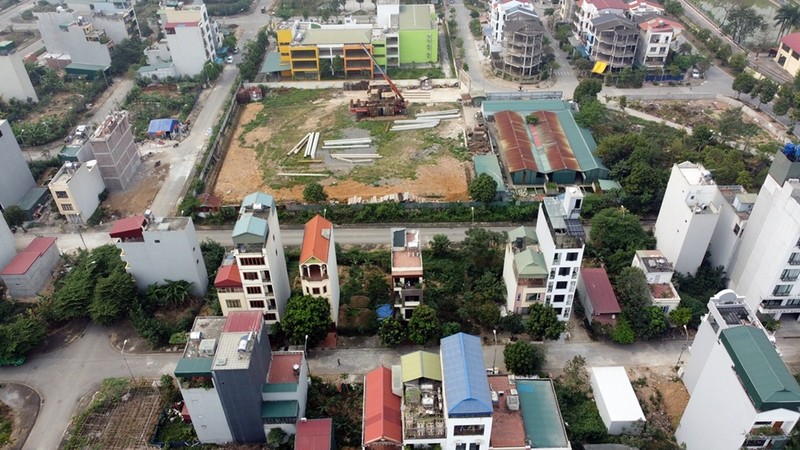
{"x":733,"y":363}
{"x":319,"y":273}
{"x":16,"y":82}
{"x":561,"y":240}
{"x":15,"y":175}
{"x":158,"y":249}
{"x":253,"y":276}
{"x":500,"y":11}
{"x":583,"y":11}
{"x":30,"y":270}
{"x":659,"y":272}
{"x":115,"y":151}
{"x":612,"y":42}
{"x":407,"y":281}
{"x":192,"y":38}
{"x":524,"y":271}
{"x":7,"y":249}
{"x":75,"y":189}
{"x":658,"y":35}
{"x":521,"y":51}
{"x":74,"y":34}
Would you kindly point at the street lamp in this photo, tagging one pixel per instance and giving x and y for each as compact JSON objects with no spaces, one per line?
{"x":125,"y":342}
{"x":683,"y":349}
{"x":494,"y":359}
{"x":473,"y":215}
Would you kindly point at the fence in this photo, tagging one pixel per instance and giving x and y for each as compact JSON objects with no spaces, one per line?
{"x":339,"y":84}
{"x":520,"y":95}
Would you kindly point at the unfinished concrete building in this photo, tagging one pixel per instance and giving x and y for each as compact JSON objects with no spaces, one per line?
{"x":614,"y":41}
{"x":523,"y":50}
{"x":115,"y":151}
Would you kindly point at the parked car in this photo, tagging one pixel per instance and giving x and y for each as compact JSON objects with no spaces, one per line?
{"x":229,"y":60}
{"x":235,"y":50}
{"x":696,"y":73}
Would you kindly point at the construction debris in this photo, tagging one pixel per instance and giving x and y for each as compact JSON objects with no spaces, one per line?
{"x":439,"y":113}
{"x":299,"y":174}
{"x":296,"y":148}
{"x":418,"y":126}
{"x":400,"y":197}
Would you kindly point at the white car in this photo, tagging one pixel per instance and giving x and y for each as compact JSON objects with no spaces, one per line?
{"x":229,"y":60}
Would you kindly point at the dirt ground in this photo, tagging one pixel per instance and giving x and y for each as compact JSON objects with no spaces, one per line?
{"x":140,"y":194}
{"x":667,"y":408}
{"x":24,"y":404}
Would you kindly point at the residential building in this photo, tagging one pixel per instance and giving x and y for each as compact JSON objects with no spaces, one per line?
{"x":192,"y":38}
{"x":78,"y":147}
{"x":235,"y":388}
{"x":551,"y":148}
{"x":524,"y":271}
{"x":521,"y":52}
{"x":115,"y":151}
{"x":314,"y":434}
{"x":76,"y":188}
{"x":319,"y":273}
{"x":382,"y":424}
{"x":16,"y":81}
{"x":788,"y":55}
{"x":407,"y":282}
{"x":32,"y":268}
{"x":612,"y":42}
{"x":640,"y":8}
{"x":617,"y":403}
{"x":659,"y":272}
{"x":253,"y":276}
{"x":597,"y":296}
{"x":658,"y":36}
{"x":68,"y":32}
{"x":767,"y":264}
{"x":561,"y":240}
{"x":422,"y":399}
{"x":583,"y":11}
{"x":158,"y":249}
{"x":733,"y":363}
{"x":7,"y":249}
{"x":688,"y":216}
{"x":734,"y":213}
{"x":116,"y":17}
{"x":15,"y":175}
{"x":500,"y":11}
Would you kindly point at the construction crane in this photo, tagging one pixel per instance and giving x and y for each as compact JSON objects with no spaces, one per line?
{"x":378,"y":104}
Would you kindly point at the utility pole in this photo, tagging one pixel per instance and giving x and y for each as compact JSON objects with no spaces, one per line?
{"x":124,"y":343}
{"x":494,"y":359}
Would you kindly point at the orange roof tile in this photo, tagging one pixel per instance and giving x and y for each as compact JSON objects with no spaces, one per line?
{"x":315,"y":244}
{"x":382,"y":422}
{"x":228,"y":276}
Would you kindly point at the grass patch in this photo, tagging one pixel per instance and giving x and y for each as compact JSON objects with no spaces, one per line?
{"x":412,"y":73}
{"x":111,"y":391}
{"x":6,"y":424}
{"x":175,"y":430}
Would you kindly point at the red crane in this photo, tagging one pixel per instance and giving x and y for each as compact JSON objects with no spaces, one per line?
{"x":379,"y":105}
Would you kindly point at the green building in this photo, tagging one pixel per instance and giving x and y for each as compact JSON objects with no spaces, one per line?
{"x":419,"y":35}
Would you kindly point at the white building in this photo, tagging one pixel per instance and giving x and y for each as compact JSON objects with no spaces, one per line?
{"x":16,"y":82}
{"x":7,"y":249}
{"x":319,"y":273}
{"x":742,"y":393}
{"x":74,"y":34}
{"x":117,"y":17}
{"x":192,"y":38}
{"x":75,"y":189}
{"x":659,"y":272}
{"x":767,"y":264}
{"x":585,"y":10}
{"x":257,"y":261}
{"x":15,"y":175}
{"x":157,"y":249}
{"x":524,"y":271}
{"x":688,"y":216}
{"x":737,"y":204}
{"x":407,"y":280}
{"x":658,"y":36}
{"x":561,"y":240}
{"x":499,"y":12}
{"x":617,"y":403}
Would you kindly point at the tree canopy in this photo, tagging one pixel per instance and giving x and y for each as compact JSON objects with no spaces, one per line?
{"x":543,"y":323}
{"x":424,"y":325}
{"x":523,"y":358}
{"x":392,"y":332}
{"x":587,"y":90}
{"x":616,"y":235}
{"x":483,"y":188}
{"x":314,"y":193}
{"x":306,"y":316}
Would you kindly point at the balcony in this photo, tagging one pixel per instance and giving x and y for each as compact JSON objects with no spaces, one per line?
{"x":779,"y":306}
{"x":766,"y":437}
{"x":314,"y":272}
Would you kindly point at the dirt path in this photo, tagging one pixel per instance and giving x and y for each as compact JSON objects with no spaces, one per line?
{"x":24,"y":402}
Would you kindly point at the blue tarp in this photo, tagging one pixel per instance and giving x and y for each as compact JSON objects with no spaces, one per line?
{"x":159,"y":127}
{"x":384,"y":311}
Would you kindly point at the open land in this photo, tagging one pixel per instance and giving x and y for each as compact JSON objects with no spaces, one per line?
{"x":139,"y":196}
{"x":426,"y":163}
{"x":662,"y":395}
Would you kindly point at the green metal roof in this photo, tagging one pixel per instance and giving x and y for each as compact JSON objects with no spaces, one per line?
{"x":489,"y":165}
{"x":340,"y":36}
{"x":193,"y":367}
{"x":153,"y":67}
{"x":416,"y":17}
{"x":272,"y":63}
{"x":421,"y":365}
{"x":250,"y":225}
{"x":523,"y":107}
{"x":530,"y":263}
{"x":85,"y":68}
{"x":541,"y":416}
{"x":279,"y":409}
{"x":278,"y":387}
{"x":32,"y":198}
{"x":607,"y":185}
{"x":763,"y":373}
{"x":527,"y":233}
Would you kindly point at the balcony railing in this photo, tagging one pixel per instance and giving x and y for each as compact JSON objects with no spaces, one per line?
{"x":776,"y":307}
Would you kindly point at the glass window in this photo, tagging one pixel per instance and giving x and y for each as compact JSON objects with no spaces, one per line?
{"x":572,"y":256}
{"x":62,"y":194}
{"x":67,"y":207}
{"x":561,"y":285}
{"x":563,"y":271}
{"x":233,"y":303}
{"x":257,"y":304}
{"x":782,"y":290}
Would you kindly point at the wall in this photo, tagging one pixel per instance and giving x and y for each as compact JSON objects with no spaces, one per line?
{"x":15,"y":176}
{"x":208,"y":418}
{"x":724,"y":242}
{"x":510,"y":279}
{"x":117,"y":156}
{"x":83,"y":190}
{"x":114,"y":26}
{"x":589,"y":310}
{"x":549,"y":250}
{"x":277,"y":263}
{"x":7,"y":250}
{"x":452,"y":422}
{"x":187,"y":50}
{"x":16,"y":82}
{"x":414,"y":46}
{"x":333,"y":277}
{"x":791,"y":65}
{"x":30,"y":283}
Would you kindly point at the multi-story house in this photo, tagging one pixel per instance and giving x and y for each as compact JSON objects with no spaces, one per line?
{"x":76,"y":188}
{"x":767,"y":265}
{"x":15,"y":175}
{"x":67,"y":32}
{"x":658,"y":35}
{"x":658,"y":271}
{"x":501,"y":11}
{"x":7,"y":249}
{"x":407,"y":282}
{"x":319,"y":273}
{"x":422,"y":399}
{"x":522,"y":48}
{"x":561,"y":240}
{"x":581,"y":13}
{"x":116,"y":17}
{"x":192,"y":38}
{"x":733,"y":363}
{"x":734,"y":213}
{"x":640,"y":8}
{"x":524,"y":271}
{"x":115,"y":151}
{"x":611,"y":42}
{"x":257,"y":261}
{"x":31,"y":269}
{"x":234,"y":387}
{"x":158,"y":249}
{"x":16,"y":81}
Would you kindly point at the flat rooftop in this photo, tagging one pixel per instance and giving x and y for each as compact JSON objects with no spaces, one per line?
{"x":508,"y":427}
{"x":67,"y":171}
{"x":234,"y":351}
{"x":739,"y":199}
{"x":407,"y":261}
{"x":695,"y":174}
{"x":210,"y":328}
{"x":167,"y":224}
{"x":281,"y":369}
{"x":416,"y":17}
{"x":654,"y":261}
{"x":663,"y":291}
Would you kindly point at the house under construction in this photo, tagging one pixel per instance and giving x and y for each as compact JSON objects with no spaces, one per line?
{"x":523,"y":50}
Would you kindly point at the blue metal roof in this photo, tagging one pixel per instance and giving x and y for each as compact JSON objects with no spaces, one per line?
{"x":249,"y":224}
{"x":259,"y":197}
{"x":464,"y":372}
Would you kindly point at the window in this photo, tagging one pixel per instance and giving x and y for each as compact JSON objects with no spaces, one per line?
{"x":572,"y":256}
{"x":653,"y":49}
{"x":62,"y":194}
{"x":566,"y":312}
{"x":533,"y":297}
{"x":250,"y":275}
{"x":662,"y":50}
{"x":258,"y":261}
{"x":271,"y":316}
{"x":170,"y":30}
{"x":257,"y":304}
{"x":468,"y":430}
{"x":561,"y":285}
{"x":736,"y":229}
{"x":315,"y":291}
{"x":67,"y":207}
{"x":324,"y":289}
{"x":795,"y":259}
{"x":253,"y":289}
{"x":790,"y":274}
{"x":233,"y":303}
{"x":558,"y":298}
{"x":548,"y":299}
{"x":564,"y":271}
{"x":665,"y":309}
{"x":550,"y":287}
{"x":782,"y":290}
{"x":654,"y":39}
{"x":556,"y":258}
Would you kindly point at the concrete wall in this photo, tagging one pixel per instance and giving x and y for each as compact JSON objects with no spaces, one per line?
{"x":7,"y":250}
{"x":238,"y":296}
{"x":114,"y":25}
{"x":277,"y":263}
{"x":482,"y":440}
{"x":208,"y":417}
{"x":31,"y":282}
{"x":73,"y":40}
{"x":117,"y":155}
{"x":15,"y":176}
{"x":587,"y":304}
{"x":333,"y":278}
{"x":724,"y":242}
{"x":16,"y":82}
{"x":791,"y":64}
{"x":510,"y":279}
{"x":187,"y":50}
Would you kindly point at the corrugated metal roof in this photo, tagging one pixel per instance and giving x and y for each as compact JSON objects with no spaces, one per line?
{"x":314,"y":434}
{"x":193,"y":367}
{"x":279,"y":409}
{"x":250,"y":225}
{"x":763,"y":373}
{"x":382,"y":421}
{"x":553,"y":150}
{"x":465,"y":382}
{"x":260,"y":198}
{"x":243,"y":321}
{"x":416,"y":17}
{"x":530,"y":263}
{"x":599,"y":291}
{"x":23,"y":261}
{"x":489,"y":165}
{"x":281,"y":368}
{"x":228,"y":276}
{"x":329,"y":36}
{"x":541,"y":414}
{"x":122,"y":227}
{"x":421,"y":365}
{"x":516,"y":145}
{"x":315,"y":244}
{"x":613,"y":388}
{"x":526,"y":233}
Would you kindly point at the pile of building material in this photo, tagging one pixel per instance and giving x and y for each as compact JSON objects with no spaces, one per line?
{"x":349,"y":144}
{"x":425,"y":120}
{"x":399,"y":197}
{"x":310,"y":141}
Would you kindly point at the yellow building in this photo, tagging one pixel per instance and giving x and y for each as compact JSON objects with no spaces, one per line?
{"x":302,"y":47}
{"x":789,"y":53}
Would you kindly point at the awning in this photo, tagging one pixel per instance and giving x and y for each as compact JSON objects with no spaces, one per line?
{"x":599,"y":67}
{"x":273,"y":63}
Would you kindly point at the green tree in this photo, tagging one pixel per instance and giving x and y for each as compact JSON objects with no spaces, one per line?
{"x":743,"y":22}
{"x":314,"y":193}
{"x":111,"y":298}
{"x":523,"y":358}
{"x":72,"y":299}
{"x":392,"y":332}
{"x":21,"y":336}
{"x":306,"y":316}
{"x":591,"y":114}
{"x":511,"y":323}
{"x":213,"y":253}
{"x":575,"y":376}
{"x":424,"y":325}
{"x":616,"y":235}
{"x":175,"y":292}
{"x":632,"y":289}
{"x":680,"y":316}
{"x":14,"y":216}
{"x":487,"y":315}
{"x":450,"y":328}
{"x":673,"y":7}
{"x":440,"y":245}
{"x":276,"y":437}
{"x":648,"y":322}
{"x":587,"y":90}
{"x":127,"y":53}
{"x":483,"y":188}
{"x":543,"y":323}
{"x":787,"y":17}
{"x":622,"y":333}
{"x":766,"y":91}
{"x":483,"y":248}
{"x":730,"y":123}
{"x":738,"y":63}
{"x":702,"y":136}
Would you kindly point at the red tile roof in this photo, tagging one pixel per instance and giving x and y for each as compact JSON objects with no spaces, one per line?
{"x":314,"y":434}
{"x":228,"y":277}
{"x":315,"y":244}
{"x":792,"y":40}
{"x":26,"y":258}
{"x":662,"y":290}
{"x":281,"y":369}
{"x":243,"y":321}
{"x":607,"y":4}
{"x":516,"y":146}
{"x":125,"y":227}
{"x":382,"y":421}
{"x":209,"y":200}
{"x":599,"y":291}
